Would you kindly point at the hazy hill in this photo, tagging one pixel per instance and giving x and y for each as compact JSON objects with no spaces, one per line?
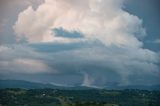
{"x":34,"y":85}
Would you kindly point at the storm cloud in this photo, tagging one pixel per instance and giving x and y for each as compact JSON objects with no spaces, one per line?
{"x":93,"y":42}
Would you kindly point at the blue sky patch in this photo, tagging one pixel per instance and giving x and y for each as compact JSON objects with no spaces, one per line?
{"x":60,"y":32}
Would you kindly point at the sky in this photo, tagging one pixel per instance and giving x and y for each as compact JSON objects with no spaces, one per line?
{"x":95,"y":43}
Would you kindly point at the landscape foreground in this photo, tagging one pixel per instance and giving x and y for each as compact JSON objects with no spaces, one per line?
{"x":92,"y":97}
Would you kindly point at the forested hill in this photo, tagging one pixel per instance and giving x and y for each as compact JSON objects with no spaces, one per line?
{"x":52,"y":97}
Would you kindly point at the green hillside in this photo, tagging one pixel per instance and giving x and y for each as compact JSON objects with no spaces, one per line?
{"x":53,"y":97}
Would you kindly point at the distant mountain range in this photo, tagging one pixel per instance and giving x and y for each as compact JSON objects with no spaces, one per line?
{"x":35,"y":85}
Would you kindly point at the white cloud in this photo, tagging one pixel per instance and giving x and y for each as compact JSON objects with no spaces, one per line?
{"x":157,"y":41}
{"x":96,"y":19}
{"x":25,"y":66}
{"x":22,"y":59}
{"x":4,"y":48}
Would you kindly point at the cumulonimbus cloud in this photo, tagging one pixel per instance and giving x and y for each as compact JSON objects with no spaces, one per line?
{"x":104,"y":20}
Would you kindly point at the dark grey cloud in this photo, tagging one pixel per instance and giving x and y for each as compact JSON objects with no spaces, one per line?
{"x":57,"y":47}
{"x":93,"y":64}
